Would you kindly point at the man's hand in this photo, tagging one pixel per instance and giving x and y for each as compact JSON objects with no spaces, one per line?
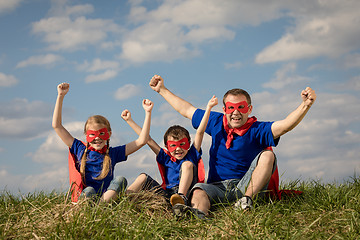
{"x":156,"y":83}
{"x":308,"y":96}
{"x":63,"y":88}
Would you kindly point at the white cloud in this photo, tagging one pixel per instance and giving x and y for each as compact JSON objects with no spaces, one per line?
{"x":324,"y":28}
{"x":351,"y":84}
{"x":50,"y":179}
{"x":63,"y":33}
{"x":285,"y":76}
{"x":168,"y":117}
{"x":176,"y":29}
{"x":144,"y":45}
{"x":102,"y":70}
{"x":24,"y":128}
{"x":20,"y":107}
{"x":10,"y":182}
{"x":209,"y":12}
{"x":127,"y":91}
{"x":23,"y":119}
{"x":79,"y":9}
{"x":48,"y":59}
{"x":352,"y":61}
{"x":108,"y":74}
{"x":53,"y":150}
{"x":354,"y":83}
{"x":234,"y":65}
{"x":7,"y":80}
{"x":98,"y":65}
{"x":53,"y":157}
{"x":9,"y":5}
{"x":56,"y":178}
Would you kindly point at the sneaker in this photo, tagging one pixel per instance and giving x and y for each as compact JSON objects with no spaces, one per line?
{"x":180,"y":210}
{"x":178,"y":198}
{"x":244,"y":203}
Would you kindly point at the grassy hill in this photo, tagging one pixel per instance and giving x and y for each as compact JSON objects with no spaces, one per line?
{"x":324,"y":211}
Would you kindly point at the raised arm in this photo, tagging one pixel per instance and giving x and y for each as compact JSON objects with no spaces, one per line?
{"x":281,"y":127}
{"x":180,"y":105}
{"x":202,"y":127}
{"x":65,"y":136}
{"x":144,"y":134}
{"x":126,"y":115}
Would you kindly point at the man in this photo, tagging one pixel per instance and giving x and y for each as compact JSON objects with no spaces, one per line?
{"x":236,"y":141}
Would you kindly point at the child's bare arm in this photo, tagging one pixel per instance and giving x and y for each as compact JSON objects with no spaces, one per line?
{"x":65,"y":136}
{"x":144,"y":134}
{"x":126,"y":115}
{"x":202,"y":127}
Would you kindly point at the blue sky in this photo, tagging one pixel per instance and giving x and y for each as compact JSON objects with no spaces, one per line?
{"x":109,"y":50}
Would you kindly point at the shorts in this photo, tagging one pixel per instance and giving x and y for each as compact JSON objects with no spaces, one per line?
{"x":118,"y":184}
{"x":231,"y":189}
{"x":153,"y":185}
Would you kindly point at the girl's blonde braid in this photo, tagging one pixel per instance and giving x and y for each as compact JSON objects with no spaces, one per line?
{"x":83,"y":163}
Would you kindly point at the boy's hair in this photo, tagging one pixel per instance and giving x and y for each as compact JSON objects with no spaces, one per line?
{"x":97,"y":119}
{"x":176,"y":131}
{"x":236,"y":92}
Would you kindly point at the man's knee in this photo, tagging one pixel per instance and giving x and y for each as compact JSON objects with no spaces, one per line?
{"x":267,"y":158}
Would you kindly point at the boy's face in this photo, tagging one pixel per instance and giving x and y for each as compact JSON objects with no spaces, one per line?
{"x":237,"y":118}
{"x":178,"y":147}
{"x":97,"y":135}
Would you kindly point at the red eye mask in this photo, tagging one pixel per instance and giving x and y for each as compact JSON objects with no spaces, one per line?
{"x":173,"y":145}
{"x":242,"y":107}
{"x":101,"y":133}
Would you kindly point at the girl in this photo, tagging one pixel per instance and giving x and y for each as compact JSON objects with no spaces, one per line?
{"x":96,"y":160}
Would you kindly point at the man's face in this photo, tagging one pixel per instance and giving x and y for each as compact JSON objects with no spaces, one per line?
{"x":238,"y":117}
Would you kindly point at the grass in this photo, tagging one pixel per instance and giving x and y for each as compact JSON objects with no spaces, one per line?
{"x":324,"y":211}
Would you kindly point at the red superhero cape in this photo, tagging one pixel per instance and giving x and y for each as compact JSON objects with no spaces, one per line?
{"x":200,"y":173}
{"x":273,"y":187}
{"x":76,"y":184}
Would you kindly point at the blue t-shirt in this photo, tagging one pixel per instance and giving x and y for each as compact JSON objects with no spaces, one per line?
{"x":234,"y":162}
{"x":94,"y":164}
{"x":172,"y":169}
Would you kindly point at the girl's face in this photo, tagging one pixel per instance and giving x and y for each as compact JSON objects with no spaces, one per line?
{"x":98,"y":135}
{"x":179,"y":152}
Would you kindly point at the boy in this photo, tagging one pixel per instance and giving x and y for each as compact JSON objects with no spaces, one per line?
{"x":179,"y":159}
